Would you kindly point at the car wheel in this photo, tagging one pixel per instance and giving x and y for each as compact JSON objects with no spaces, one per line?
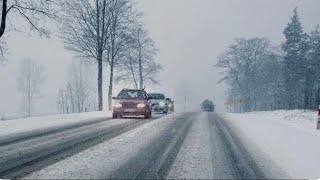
{"x":114,"y":116}
{"x":148,"y":115}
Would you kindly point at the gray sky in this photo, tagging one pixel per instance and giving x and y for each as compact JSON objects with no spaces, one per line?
{"x":190,"y":34}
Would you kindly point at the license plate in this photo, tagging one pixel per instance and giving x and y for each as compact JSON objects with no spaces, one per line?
{"x":129,"y":110}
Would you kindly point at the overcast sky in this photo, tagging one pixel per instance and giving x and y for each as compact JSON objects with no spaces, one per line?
{"x":190,"y":34}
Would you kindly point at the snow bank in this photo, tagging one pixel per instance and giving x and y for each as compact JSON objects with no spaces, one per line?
{"x":25,"y":126}
{"x":288,"y":139}
{"x":297,"y":118}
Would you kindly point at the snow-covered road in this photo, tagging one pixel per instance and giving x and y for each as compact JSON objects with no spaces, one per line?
{"x":187,"y":145}
{"x":180,"y":145}
{"x":22,"y":156}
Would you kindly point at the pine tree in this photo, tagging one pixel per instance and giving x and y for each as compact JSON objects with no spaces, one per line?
{"x":295,"y":73}
{"x":314,"y":57}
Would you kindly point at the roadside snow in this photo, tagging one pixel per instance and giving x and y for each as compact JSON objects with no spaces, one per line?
{"x":297,"y":118}
{"x":18,"y":126}
{"x":288,"y":138}
{"x":103,"y":159}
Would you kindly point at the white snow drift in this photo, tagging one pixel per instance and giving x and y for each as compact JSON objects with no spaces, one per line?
{"x":25,"y":125}
{"x":288,"y":138}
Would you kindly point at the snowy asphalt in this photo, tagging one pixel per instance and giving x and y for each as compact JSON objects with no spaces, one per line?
{"x":35,"y":152}
{"x":186,"y":145}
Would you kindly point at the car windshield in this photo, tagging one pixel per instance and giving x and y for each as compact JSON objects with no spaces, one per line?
{"x":156,"y":96}
{"x":127,"y":94}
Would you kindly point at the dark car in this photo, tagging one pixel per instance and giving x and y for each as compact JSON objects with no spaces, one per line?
{"x":132,"y":102}
{"x":207,"y":106}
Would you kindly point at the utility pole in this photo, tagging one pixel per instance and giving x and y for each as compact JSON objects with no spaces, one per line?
{"x":185,"y":99}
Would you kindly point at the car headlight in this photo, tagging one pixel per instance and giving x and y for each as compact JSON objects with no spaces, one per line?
{"x":161,"y":104}
{"x":117,"y":105}
{"x":141,"y":105}
{"x":170,"y":105}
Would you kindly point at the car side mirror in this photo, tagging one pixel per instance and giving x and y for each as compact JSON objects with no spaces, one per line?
{"x":114,"y":97}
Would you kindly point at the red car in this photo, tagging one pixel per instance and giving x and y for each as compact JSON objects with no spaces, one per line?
{"x":132,"y":102}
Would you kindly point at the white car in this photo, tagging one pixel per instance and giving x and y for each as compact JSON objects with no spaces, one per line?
{"x":159,"y":103}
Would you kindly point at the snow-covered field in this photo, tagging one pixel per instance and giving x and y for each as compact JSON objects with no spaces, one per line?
{"x":29,"y":125}
{"x":288,"y":138}
{"x":297,"y":118}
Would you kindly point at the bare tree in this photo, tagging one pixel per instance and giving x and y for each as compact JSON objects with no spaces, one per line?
{"x":79,"y":93}
{"x":2,"y":50}
{"x":85,"y":25}
{"x":62,"y":102}
{"x":243,"y":61}
{"x":29,"y":82}
{"x":80,"y":78}
{"x":123,"y":17}
{"x":97,"y":30}
{"x":34,"y":12}
{"x":127,"y":71}
{"x":139,"y":66}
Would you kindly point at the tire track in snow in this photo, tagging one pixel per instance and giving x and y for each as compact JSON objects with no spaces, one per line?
{"x":22,"y":165}
{"x":12,"y":139}
{"x":236,"y":161}
{"x":194,"y":158}
{"x":156,"y":159}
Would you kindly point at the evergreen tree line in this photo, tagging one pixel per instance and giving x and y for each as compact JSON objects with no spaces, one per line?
{"x":264,"y":76}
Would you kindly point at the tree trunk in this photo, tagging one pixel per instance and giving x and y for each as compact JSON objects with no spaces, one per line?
{"x":318,"y":97}
{"x":110,"y":88}
{"x":29,"y":106}
{"x":134,"y":78}
{"x":305,"y":95}
{"x":3,"y":18}
{"x":72,"y":102}
{"x":100,"y":68}
{"x":133,"y":75}
{"x":140,"y":69}
{"x":29,"y":89}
